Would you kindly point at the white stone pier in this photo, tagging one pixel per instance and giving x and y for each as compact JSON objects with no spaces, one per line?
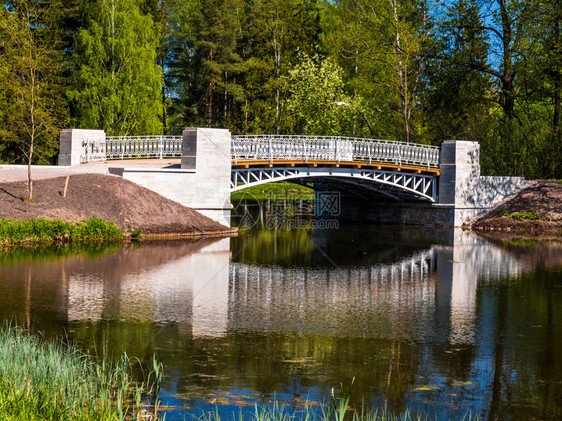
{"x":461,"y":187}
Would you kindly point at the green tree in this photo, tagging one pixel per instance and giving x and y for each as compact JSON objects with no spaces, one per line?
{"x":31,"y":98}
{"x":553,"y":71}
{"x":385,"y":44}
{"x":457,"y":104}
{"x":116,"y":85}
{"x":207,"y":66}
{"x":315,"y":91}
{"x":506,"y":24}
{"x":277,"y":32}
{"x":543,"y":82}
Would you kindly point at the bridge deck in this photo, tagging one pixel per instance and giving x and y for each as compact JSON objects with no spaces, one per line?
{"x":247,"y":163}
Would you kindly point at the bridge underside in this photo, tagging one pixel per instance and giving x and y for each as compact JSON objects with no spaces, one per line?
{"x":363,"y":180}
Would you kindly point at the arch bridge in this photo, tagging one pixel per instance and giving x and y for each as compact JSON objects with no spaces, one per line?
{"x":364,"y":167}
{"x":445,"y":180}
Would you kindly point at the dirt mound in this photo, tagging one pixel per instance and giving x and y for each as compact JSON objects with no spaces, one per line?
{"x":538,"y":208}
{"x":110,"y":198}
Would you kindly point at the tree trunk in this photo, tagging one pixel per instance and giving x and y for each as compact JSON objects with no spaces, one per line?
{"x":508,"y":75}
{"x":556,"y":129}
{"x":210,"y":97}
{"x":402,"y":70}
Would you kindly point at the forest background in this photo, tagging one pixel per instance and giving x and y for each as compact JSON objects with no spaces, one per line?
{"x":409,"y":70}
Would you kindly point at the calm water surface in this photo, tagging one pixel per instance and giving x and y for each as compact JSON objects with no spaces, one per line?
{"x":439,"y":320}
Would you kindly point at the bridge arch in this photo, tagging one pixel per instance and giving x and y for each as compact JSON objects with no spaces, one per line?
{"x":392,"y":184}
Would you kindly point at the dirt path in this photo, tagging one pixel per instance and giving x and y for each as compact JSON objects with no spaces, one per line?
{"x":536,"y":209}
{"x":110,"y":198}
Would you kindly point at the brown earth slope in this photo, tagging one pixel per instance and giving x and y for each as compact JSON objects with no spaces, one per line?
{"x":110,"y":198}
{"x":536,"y":209}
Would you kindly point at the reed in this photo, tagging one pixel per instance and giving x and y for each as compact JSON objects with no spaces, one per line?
{"x":278,"y":412}
{"x":335,"y":410}
{"x":42,"y":380}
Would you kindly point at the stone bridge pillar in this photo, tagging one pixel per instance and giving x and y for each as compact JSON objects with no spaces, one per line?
{"x":71,"y":148}
{"x":202,"y":182}
{"x":459,"y":176}
{"x":461,"y":187}
{"x":207,"y":152}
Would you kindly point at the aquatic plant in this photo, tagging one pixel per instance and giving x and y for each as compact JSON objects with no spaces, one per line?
{"x":42,"y":380}
{"x":337,"y":409}
{"x":279,"y":412}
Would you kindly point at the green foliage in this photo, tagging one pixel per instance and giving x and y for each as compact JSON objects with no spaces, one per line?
{"x":316,"y":89}
{"x":32,"y":106}
{"x":136,"y":233}
{"x":278,"y":32}
{"x":527,"y":216}
{"x":385,"y":49}
{"x":270,"y":190}
{"x":40,"y":380}
{"x":532,"y":216}
{"x":42,"y":230}
{"x":207,"y":66}
{"x":410,"y":70}
{"x":116,"y":84}
{"x":458,"y":105}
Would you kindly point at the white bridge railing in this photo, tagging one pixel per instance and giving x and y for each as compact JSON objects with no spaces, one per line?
{"x":131,"y":147}
{"x":271,"y":147}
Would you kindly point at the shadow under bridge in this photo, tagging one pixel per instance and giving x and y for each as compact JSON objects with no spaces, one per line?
{"x":363,"y":167}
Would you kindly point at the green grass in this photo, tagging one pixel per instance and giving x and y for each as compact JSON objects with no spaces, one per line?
{"x":269,"y":190}
{"x":53,"y":231}
{"x":527,"y":216}
{"x":40,"y":380}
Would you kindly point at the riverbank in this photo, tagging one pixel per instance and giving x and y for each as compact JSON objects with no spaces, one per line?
{"x":109,"y":198}
{"x":536,"y":210}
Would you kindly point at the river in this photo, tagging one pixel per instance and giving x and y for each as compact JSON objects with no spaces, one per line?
{"x":405,"y":318}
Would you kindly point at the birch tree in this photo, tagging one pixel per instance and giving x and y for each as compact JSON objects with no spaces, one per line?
{"x":33,"y":104}
{"x":394,"y":36}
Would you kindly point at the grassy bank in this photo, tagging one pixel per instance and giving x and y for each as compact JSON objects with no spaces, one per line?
{"x":57,"y":231}
{"x":41,"y":380}
{"x":270,"y":190}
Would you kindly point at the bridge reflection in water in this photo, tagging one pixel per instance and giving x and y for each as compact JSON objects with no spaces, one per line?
{"x":185,"y":284}
{"x":430,"y":292}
